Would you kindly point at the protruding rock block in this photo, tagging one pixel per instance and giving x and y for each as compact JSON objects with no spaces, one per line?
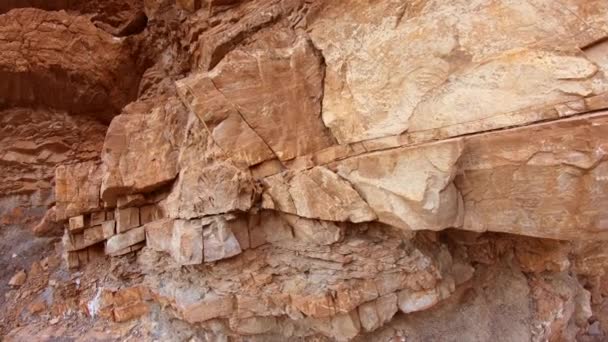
{"x":159,"y":235}
{"x":376,"y":313}
{"x":412,"y":301}
{"x":409,"y":188}
{"x":140,"y":152}
{"x":547,"y":180}
{"x":97,"y":218}
{"x":225,"y":124}
{"x":187,"y":242}
{"x":76,"y":223}
{"x":219,"y":241}
{"x":126,"y":218}
{"x":77,"y":189}
{"x":121,"y":241}
{"x":93,"y":235}
{"x":149,"y":213}
{"x":317,"y":193}
{"x":108,"y":228}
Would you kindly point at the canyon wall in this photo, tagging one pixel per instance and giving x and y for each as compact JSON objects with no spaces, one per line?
{"x":271,"y":170}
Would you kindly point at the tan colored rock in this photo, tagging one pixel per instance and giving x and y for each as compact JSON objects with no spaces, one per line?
{"x":76,"y":223}
{"x":208,"y":182}
{"x":129,"y":312}
{"x":134,"y":200}
{"x":93,"y":235}
{"x":317,"y":193}
{"x":127,"y":250}
{"x":18,"y":279}
{"x":109,"y":228}
{"x":412,"y":301}
{"x":77,"y":189}
{"x":159,"y":235}
{"x":390,"y":69}
{"x":121,"y":241}
{"x":376,"y":313}
{"x":187,"y":242}
{"x":545,"y":180}
{"x":219,"y":241}
{"x":410,"y":188}
{"x":127,"y":218}
{"x":48,"y":225}
{"x":254,"y":325}
{"x":97,"y":218}
{"x":223,"y":121}
{"x":313,"y":231}
{"x":208,"y":308}
{"x":342,"y":327}
{"x":149,"y":213}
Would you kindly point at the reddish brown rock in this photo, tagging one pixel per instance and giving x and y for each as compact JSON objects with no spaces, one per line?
{"x":60,"y":51}
{"x":77,"y":189}
{"x":140,"y":153}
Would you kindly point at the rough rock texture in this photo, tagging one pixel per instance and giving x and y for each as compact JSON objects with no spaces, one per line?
{"x":271,"y":170}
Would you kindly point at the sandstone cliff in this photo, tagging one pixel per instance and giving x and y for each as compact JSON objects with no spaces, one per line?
{"x":271,"y":170}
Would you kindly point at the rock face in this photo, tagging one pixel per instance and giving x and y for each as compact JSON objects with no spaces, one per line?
{"x":304,"y":170}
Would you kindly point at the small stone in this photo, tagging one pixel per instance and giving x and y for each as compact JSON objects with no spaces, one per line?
{"x":18,"y":279}
{"x":127,"y":218}
{"x":122,"y":241}
{"x":97,"y":218}
{"x":76,"y":223}
{"x":54,"y":321}
{"x":108,"y":229}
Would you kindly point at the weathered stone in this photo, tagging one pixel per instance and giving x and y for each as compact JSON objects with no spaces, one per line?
{"x":126,"y":218}
{"x":97,"y":218}
{"x":386,"y":75}
{"x":545,"y":180}
{"x":159,"y":235}
{"x":313,"y":231}
{"x":121,"y":241}
{"x":225,"y":124}
{"x":317,"y":193}
{"x":410,"y":188}
{"x":219,"y":241}
{"x":208,"y":308}
{"x":18,"y":279}
{"x":76,"y":223}
{"x":277,"y":92}
{"x":208,"y":182}
{"x":77,"y":189}
{"x":376,"y":313}
{"x":134,"y":200}
{"x":140,"y":153}
{"x":254,"y":325}
{"x":412,"y":301}
{"x":93,"y":235}
{"x":187,"y":242}
{"x":149,"y":213}
{"x":109,"y":228}
{"x":129,"y":312}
